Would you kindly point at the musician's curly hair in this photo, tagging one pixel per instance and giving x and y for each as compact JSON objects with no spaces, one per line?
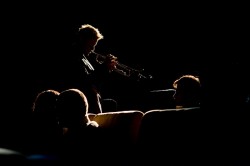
{"x":87,"y":31}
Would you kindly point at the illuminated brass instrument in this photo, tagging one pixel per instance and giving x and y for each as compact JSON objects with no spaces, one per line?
{"x":123,"y":69}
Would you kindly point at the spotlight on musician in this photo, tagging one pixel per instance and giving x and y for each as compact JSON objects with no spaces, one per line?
{"x":81,"y":68}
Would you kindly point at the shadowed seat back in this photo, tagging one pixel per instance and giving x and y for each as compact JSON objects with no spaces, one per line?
{"x":121,"y":125}
{"x":167,"y":135}
{"x":119,"y":133}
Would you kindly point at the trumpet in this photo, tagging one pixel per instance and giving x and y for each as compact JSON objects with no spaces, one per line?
{"x":121,"y":68}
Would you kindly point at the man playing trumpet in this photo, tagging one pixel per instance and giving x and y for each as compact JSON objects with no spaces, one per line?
{"x":83,"y":70}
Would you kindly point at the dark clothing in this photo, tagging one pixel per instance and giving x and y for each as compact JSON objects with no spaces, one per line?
{"x":78,"y":146}
{"x":45,"y":135}
{"x":84,"y":73}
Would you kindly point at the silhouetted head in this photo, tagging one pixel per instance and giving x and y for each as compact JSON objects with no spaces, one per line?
{"x":72,"y":107}
{"x":88,"y":37}
{"x":188,"y":91}
{"x":44,"y":105}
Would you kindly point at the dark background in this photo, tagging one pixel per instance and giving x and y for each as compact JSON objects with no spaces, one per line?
{"x":165,"y":39}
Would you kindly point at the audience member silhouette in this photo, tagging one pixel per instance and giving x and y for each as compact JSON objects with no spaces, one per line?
{"x":85,"y":70}
{"x":79,"y":132}
{"x":187,"y":91}
{"x":10,"y":157}
{"x":45,"y":129}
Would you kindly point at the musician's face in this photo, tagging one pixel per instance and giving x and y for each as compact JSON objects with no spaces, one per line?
{"x":90,"y":46}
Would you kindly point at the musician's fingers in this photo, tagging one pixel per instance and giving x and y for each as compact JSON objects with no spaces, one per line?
{"x":111,"y":57}
{"x":114,"y":61}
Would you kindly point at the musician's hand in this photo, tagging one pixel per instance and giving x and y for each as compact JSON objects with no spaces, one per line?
{"x":111,"y":62}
